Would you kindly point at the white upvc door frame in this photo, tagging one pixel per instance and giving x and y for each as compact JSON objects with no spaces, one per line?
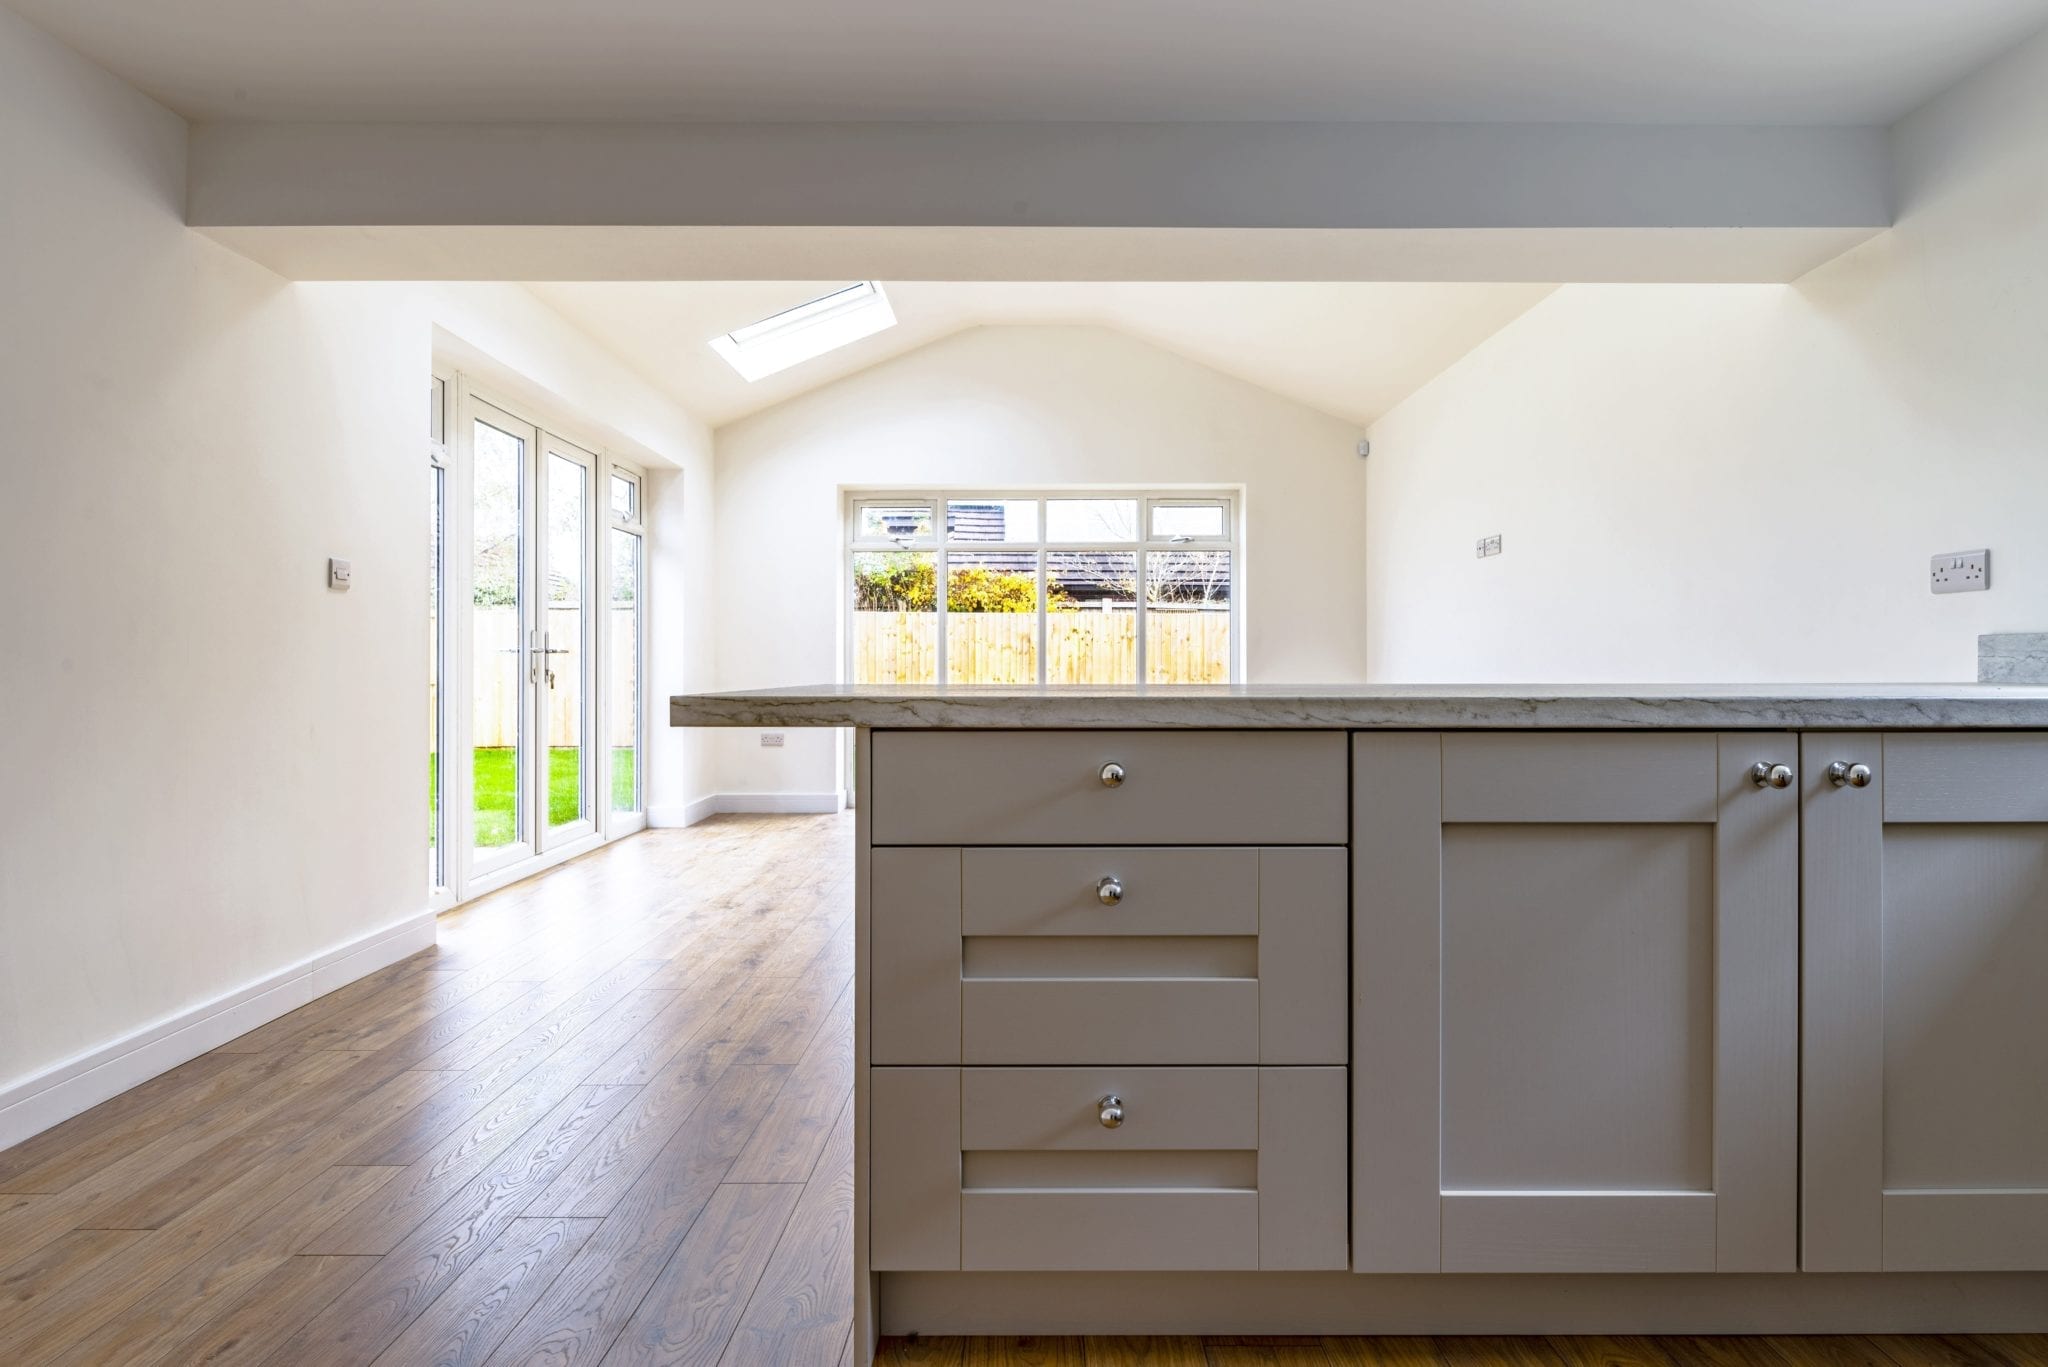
{"x":471,"y":872}
{"x":616,"y":823}
{"x":482,"y":867}
{"x":444,"y":873}
{"x":544,"y":650}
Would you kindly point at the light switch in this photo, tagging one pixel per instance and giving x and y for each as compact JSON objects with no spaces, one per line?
{"x":338,"y":573}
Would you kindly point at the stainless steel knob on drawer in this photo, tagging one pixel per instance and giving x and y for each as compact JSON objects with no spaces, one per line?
{"x":1112,"y":775}
{"x":1110,"y":891}
{"x":1767,"y":775}
{"x":1112,"y":1108}
{"x":1846,"y":775}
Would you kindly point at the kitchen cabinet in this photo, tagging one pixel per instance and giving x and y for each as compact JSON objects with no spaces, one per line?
{"x":1925,"y":1135}
{"x":1574,"y":1002}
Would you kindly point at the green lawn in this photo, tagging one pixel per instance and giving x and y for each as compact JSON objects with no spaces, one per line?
{"x":496,"y":787}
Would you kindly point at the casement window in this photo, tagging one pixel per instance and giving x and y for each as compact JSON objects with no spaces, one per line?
{"x":1023,"y":588}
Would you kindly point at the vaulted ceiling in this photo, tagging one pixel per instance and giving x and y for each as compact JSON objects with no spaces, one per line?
{"x":1351,"y":350}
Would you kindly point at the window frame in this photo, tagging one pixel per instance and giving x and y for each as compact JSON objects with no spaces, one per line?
{"x":940,"y":542}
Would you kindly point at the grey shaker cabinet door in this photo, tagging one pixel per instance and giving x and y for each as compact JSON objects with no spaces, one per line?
{"x":1574,"y":1003}
{"x":1925,"y":1135}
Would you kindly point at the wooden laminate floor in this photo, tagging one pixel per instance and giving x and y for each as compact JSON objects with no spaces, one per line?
{"x":607,"y":1119}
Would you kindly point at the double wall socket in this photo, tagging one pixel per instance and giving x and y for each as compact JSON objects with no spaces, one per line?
{"x":1960,"y":572}
{"x":771,"y":740}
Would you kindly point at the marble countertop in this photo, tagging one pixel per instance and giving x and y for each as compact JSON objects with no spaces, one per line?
{"x":1390,"y":706}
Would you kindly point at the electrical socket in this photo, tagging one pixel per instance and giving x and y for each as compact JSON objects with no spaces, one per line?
{"x":771,"y":740}
{"x":1489,"y":545}
{"x":1960,"y":572}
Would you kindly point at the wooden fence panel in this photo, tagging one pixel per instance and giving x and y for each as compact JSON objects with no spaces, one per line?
{"x":1085,"y":647}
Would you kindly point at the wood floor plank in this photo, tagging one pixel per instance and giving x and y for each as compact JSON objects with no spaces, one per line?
{"x":471,"y":1098}
{"x":536,"y":1128}
{"x":697,"y":1008}
{"x":356,"y":1093}
{"x":799,"y":1311}
{"x":107,"y":1290}
{"x":607,"y":1170}
{"x":1387,"y":1351}
{"x":940,"y":1351}
{"x":540,"y":1027}
{"x":468,"y":1320}
{"x":787,"y":1146}
{"x":591,"y":1302}
{"x":688,"y":1315}
{"x":1592,"y":1350}
{"x":430,"y":1036}
{"x":283,"y":1032}
{"x":95,"y":1201}
{"x":1033,"y":1351}
{"x":1267,"y":1355}
{"x":206,"y":1285}
{"x":257,"y":1323}
{"x":55,"y":1264}
{"x":365,"y":1319}
{"x":1159,"y":1351}
{"x":53,"y":1160}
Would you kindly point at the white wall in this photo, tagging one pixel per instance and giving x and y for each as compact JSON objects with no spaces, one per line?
{"x":1746,"y":482}
{"x":214,"y":764}
{"x":1031,"y":406}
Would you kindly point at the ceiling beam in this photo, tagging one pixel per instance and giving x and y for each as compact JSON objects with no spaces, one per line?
{"x":1389,"y":200}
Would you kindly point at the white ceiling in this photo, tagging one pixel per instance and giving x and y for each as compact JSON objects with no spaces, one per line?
{"x":1352,"y":350}
{"x":1626,"y":61}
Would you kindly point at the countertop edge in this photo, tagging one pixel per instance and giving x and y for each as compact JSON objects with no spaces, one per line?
{"x":2009,"y":710}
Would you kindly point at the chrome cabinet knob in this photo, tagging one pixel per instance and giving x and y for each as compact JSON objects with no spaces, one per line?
{"x":1767,"y":775}
{"x":1109,"y":891}
{"x":1846,"y":775}
{"x":1112,"y":1108}
{"x":1112,"y":775}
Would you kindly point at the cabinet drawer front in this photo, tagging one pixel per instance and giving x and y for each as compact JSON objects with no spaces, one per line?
{"x":1137,"y":1231}
{"x":1159,"y":891}
{"x":1135,"y":1020}
{"x":1001,"y":956}
{"x":1057,"y":1108}
{"x":1046,"y":788}
{"x":1209,"y":1168}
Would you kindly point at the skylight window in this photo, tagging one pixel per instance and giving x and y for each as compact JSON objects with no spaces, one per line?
{"x":796,"y":335}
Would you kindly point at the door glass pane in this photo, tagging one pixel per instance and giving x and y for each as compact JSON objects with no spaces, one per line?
{"x":1175,"y":521}
{"x":625,"y":672}
{"x":992,"y":617}
{"x":1187,"y":617}
{"x":895,"y":617}
{"x":563,"y":695}
{"x":992,"y":519}
{"x":437,"y":519}
{"x":498,"y":665}
{"x":893,"y":522}
{"x":1091,"y":617}
{"x":1091,"y":519}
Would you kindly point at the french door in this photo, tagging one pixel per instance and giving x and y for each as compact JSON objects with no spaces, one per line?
{"x":534,"y":771}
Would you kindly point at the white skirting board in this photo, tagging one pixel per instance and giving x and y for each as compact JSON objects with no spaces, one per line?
{"x":35,"y":1103}
{"x":690,"y":813}
{"x":1347,"y":1303}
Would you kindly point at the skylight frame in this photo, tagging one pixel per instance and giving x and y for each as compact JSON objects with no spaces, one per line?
{"x":807,"y":331}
